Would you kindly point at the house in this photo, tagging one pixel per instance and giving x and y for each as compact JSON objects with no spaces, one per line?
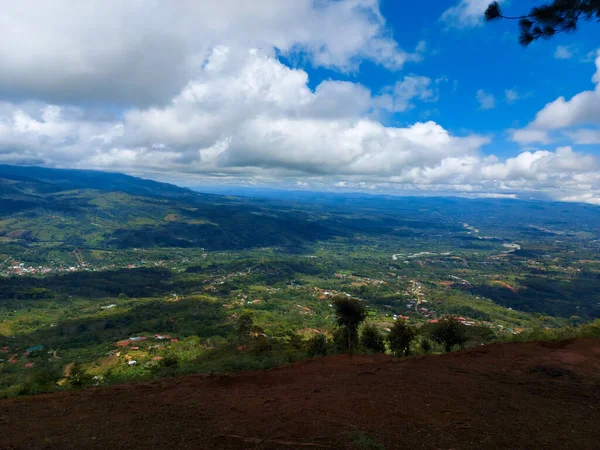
{"x":34,"y":349}
{"x":433,"y":321}
{"x":131,"y":363}
{"x":157,"y":358}
{"x":123,"y":343}
{"x":29,"y":365}
{"x":174,"y":340}
{"x":135,"y":348}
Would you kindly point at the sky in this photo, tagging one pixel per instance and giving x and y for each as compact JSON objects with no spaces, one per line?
{"x":400,"y":97}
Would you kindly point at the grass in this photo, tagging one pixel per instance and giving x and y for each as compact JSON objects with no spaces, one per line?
{"x":362,"y":441}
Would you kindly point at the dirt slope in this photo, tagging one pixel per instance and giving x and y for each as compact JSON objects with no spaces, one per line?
{"x":509,"y":396}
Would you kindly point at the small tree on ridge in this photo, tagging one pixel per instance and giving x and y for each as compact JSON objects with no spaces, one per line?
{"x":400,"y":337}
{"x":349,"y":314}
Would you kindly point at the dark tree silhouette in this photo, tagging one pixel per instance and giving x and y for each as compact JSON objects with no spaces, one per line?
{"x":449,"y":332}
{"x":544,"y":21}
{"x":372,"y":339}
{"x":349,"y":314}
{"x":400,"y":337}
{"x":244,"y":328}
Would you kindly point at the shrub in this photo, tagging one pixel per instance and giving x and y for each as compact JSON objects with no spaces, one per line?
{"x":317,"y":345}
{"x":426,"y":345}
{"x":372,"y":339}
{"x":400,"y":337}
{"x":449,"y":333}
{"x":244,"y":326}
{"x":78,"y":377}
{"x":362,"y":441}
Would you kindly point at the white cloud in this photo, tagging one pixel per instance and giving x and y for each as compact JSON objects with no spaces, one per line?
{"x":400,"y":97}
{"x":581,"y":109}
{"x":564,"y":52}
{"x":143,"y":52}
{"x":465,"y":14}
{"x":512,"y":95}
{"x":584,"y":136}
{"x":486,"y":101}
{"x":247,"y":115}
{"x":529,"y":136}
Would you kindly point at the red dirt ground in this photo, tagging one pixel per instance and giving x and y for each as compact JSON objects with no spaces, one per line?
{"x":501,"y":396}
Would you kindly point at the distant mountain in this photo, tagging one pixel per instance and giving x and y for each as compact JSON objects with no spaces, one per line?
{"x":93,"y":209}
{"x":43,"y":180}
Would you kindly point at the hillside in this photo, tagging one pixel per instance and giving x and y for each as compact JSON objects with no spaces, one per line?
{"x":95,"y":267}
{"x":66,"y":209}
{"x":518,"y":396}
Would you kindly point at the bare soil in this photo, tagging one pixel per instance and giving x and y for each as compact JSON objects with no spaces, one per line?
{"x":503,"y":396}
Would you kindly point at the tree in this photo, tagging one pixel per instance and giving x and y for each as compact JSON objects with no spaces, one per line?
{"x":449,"y":332}
{"x":400,"y":337}
{"x":372,"y":339}
{"x":317,"y":345}
{"x":244,"y":326}
{"x":425,"y":345}
{"x":47,"y":374}
{"x":544,"y":21}
{"x":78,"y":377}
{"x":349,"y":314}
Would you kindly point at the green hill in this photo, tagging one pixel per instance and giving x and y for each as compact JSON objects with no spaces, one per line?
{"x":90,"y":209}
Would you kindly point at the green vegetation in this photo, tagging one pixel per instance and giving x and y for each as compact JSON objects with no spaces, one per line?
{"x":362,"y":441}
{"x":101,"y":286}
{"x":371,"y":339}
{"x":349,"y":314}
{"x":401,"y":337}
{"x":449,"y":333}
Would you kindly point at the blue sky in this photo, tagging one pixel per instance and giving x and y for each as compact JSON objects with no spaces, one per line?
{"x":367,"y":95}
{"x":477,"y":57}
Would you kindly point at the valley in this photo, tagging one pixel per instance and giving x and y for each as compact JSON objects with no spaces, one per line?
{"x":91,"y":286}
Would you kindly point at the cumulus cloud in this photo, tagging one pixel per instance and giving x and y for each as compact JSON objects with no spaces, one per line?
{"x":530,"y":136}
{"x":401,"y":96}
{"x":249,"y":116}
{"x":486,"y":101}
{"x":584,"y":136}
{"x":564,"y":52}
{"x":465,"y":14}
{"x":143,"y":52}
{"x":513,"y":95}
{"x":581,"y":109}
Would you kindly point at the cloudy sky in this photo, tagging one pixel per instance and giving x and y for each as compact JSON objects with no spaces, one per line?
{"x":369,"y":95}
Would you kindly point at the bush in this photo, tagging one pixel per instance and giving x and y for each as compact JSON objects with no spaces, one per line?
{"x":261,"y":346}
{"x":170,"y":361}
{"x":47,"y":374}
{"x":317,"y":346}
{"x":372,"y":339}
{"x":449,"y":333}
{"x":340,"y":341}
{"x":362,"y":441}
{"x":296,"y":341}
{"x":426,"y":346}
{"x":78,"y":377}
{"x":244,"y":326}
{"x":400,"y":337}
